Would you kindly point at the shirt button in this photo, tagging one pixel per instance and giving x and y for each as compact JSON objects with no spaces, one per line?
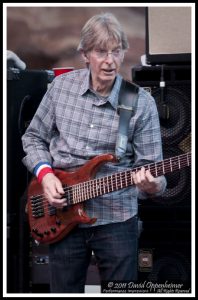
{"x":91,"y":125}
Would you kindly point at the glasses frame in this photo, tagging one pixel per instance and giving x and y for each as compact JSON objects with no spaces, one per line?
{"x":103,"y":54}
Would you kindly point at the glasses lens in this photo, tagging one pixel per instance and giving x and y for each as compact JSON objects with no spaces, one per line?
{"x":103,"y":53}
{"x":116,"y":53}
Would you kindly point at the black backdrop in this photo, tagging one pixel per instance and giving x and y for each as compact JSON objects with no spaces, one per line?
{"x":25,"y":90}
{"x":165,"y":241}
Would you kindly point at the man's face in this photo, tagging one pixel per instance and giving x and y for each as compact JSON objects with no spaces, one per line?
{"x":105,"y":63}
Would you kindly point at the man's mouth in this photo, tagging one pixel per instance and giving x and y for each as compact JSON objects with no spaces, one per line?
{"x":108,"y":71}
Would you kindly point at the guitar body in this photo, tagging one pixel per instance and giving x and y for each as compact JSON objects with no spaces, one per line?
{"x":49,"y":224}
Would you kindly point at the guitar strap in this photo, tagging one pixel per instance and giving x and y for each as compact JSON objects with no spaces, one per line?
{"x":127,"y":102}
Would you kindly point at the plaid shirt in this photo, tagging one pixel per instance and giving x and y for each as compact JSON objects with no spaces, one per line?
{"x":74,"y":124}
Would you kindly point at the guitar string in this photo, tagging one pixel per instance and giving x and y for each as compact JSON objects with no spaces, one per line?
{"x":115,"y":182}
{"x":91,"y":184}
{"x":40,"y":208}
{"x":153,"y":168}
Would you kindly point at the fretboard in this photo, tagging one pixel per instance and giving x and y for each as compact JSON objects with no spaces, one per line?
{"x":103,"y":185}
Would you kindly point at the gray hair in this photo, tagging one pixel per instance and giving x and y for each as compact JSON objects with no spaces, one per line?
{"x":101,"y":29}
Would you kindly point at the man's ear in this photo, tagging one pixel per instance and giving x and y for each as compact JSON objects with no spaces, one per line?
{"x":84,"y":56}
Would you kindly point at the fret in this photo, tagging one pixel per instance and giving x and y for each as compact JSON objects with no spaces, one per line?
{"x":90,"y":189}
{"x":112,"y":183}
{"x":100,"y":185}
{"x":78,"y":193}
{"x":171,"y":167}
{"x":160,"y":168}
{"x":175,"y":164}
{"x":83,"y":191}
{"x":87,"y":190}
{"x":163,"y":167}
{"x":179,"y":162}
{"x":80,"y":190}
{"x":93,"y":188}
{"x":126,"y":182}
{"x":155,"y":170}
{"x":74,"y":193}
{"x":121,"y":180}
{"x":96,"y":187}
{"x":104,"y":185}
{"x":131,"y":177}
{"x":107,"y":185}
{"x":116,"y":181}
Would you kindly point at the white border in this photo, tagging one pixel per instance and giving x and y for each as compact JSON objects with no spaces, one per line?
{"x":5,"y":5}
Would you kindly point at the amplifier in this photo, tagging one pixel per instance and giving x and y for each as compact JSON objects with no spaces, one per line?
{"x":168,"y":35}
{"x":39,"y":269}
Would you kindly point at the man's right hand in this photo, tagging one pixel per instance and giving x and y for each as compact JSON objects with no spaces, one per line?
{"x":53,"y":190}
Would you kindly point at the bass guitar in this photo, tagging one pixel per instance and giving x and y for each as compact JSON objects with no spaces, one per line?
{"x":49,"y":224}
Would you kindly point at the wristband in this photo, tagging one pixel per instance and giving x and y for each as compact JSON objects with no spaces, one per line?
{"x":43,"y":172}
{"x":41,"y":166}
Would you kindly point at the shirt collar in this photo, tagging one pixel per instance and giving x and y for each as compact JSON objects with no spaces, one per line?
{"x":85,"y":84}
{"x":113,"y":97}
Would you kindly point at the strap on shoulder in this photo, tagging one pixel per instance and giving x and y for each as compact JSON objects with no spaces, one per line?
{"x":127,"y":102}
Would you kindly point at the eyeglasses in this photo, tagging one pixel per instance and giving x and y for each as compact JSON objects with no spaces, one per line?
{"x":103,"y":54}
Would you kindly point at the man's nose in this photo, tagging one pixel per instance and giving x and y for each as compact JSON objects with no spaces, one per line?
{"x":109,"y":57}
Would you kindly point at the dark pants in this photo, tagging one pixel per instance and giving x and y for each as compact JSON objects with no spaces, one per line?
{"x":115,"y":249}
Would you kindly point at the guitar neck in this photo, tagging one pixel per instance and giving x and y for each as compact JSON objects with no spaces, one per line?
{"x":100,"y":186}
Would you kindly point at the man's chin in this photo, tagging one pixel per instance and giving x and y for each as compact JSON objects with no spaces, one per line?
{"x":108,"y":77}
